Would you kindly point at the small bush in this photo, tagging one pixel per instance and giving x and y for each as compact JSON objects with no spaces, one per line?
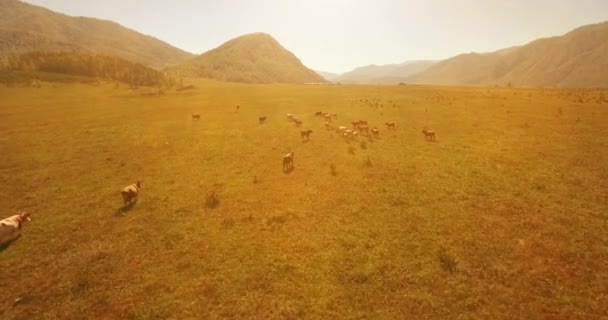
{"x":228,"y":223}
{"x":446,"y":261}
{"x":248,"y":218}
{"x":212,"y":200}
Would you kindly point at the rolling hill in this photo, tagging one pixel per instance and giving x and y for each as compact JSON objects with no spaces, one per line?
{"x":251,"y":58}
{"x":576,"y":59}
{"x":384,"y":74}
{"x":26,"y":28}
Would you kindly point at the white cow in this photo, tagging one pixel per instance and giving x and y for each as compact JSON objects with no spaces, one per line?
{"x":10,"y":228}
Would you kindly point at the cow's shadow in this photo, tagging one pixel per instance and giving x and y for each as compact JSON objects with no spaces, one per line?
{"x":288,"y":170}
{"x":122,"y":211}
{"x":7,"y":244}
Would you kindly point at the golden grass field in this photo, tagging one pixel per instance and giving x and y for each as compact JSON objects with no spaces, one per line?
{"x":504,"y":217}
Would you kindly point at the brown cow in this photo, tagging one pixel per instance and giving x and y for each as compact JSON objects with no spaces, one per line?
{"x":375,"y":132}
{"x":288,"y":162}
{"x":298,"y":122}
{"x":130,"y":193}
{"x":390,"y":125}
{"x":429,"y":135}
{"x":306,"y":134}
{"x":196,"y":117}
{"x":262,"y":119}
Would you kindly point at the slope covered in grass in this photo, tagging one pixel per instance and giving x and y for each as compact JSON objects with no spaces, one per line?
{"x":252,"y":58}
{"x":86,"y":65}
{"x":576,"y":59}
{"x":27,"y":28}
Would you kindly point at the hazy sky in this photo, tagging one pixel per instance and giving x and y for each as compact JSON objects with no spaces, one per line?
{"x":338,"y":35}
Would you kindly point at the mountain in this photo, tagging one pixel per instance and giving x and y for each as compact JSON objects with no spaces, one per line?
{"x":388,"y":73}
{"x":576,"y":59}
{"x":329,"y":76}
{"x":252,"y":58}
{"x":28,"y":28}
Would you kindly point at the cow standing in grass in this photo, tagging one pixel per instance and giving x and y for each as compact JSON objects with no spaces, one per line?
{"x":262,"y":119}
{"x":306,"y":134}
{"x":288,"y":162}
{"x":376,"y":132}
{"x":364,"y":129}
{"x":429,"y":135}
{"x":130,"y":193}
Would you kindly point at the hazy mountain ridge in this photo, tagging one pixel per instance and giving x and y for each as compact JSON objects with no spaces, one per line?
{"x":29,"y":28}
{"x":384,"y":74}
{"x":329,"y":76}
{"x":576,"y":59}
{"x":251,"y":58}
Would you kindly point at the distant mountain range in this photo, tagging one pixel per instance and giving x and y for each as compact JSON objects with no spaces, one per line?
{"x":252,"y":58}
{"x":576,"y":59}
{"x":381,"y":74}
{"x":26,"y":28}
{"x":330,"y":76}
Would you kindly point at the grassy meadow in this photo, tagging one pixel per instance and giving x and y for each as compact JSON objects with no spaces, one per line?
{"x":504,"y":217}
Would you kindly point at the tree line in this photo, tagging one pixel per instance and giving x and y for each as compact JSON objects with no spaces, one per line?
{"x":90,"y":65}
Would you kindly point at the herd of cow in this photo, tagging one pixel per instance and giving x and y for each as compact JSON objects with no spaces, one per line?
{"x":360,"y":127}
{"x":10,"y":228}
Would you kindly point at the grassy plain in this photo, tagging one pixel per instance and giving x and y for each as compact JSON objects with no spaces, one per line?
{"x":504,"y":217}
